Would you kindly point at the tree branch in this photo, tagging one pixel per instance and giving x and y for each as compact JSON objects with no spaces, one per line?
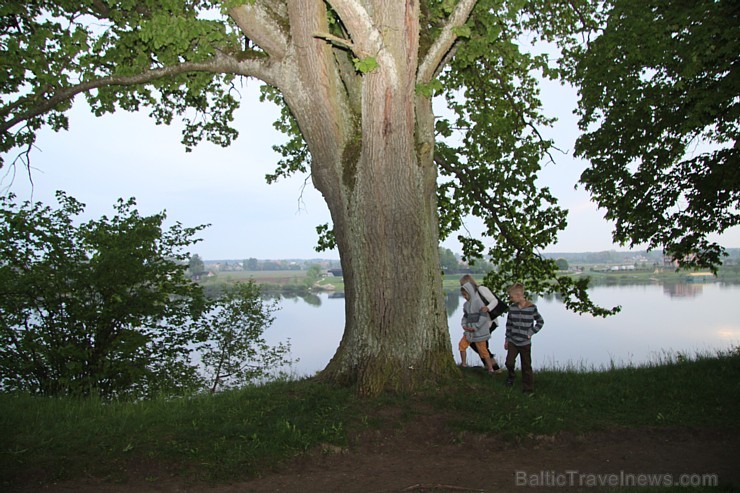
{"x":341,"y":42}
{"x":432,"y":62}
{"x":519,"y":113}
{"x":366,"y":38}
{"x":480,"y":191}
{"x":260,"y":27}
{"x":356,"y":19}
{"x":221,"y":64}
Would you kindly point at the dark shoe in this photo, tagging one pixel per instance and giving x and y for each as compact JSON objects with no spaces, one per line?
{"x":509,"y":382}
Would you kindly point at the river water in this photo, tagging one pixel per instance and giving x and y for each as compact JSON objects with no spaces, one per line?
{"x":656,"y":323}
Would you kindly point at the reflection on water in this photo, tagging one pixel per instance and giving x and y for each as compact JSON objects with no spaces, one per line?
{"x":312,"y":299}
{"x":655,"y":321}
{"x":452,"y":301}
{"x":682,"y":290}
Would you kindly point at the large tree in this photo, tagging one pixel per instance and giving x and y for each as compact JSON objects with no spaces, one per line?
{"x":356,"y":81}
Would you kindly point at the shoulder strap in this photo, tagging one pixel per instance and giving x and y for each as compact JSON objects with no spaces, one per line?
{"x":483,"y":298}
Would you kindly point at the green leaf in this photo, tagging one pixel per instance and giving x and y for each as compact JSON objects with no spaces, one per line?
{"x":462,"y":31}
{"x":430,"y":89}
{"x":365,"y":65}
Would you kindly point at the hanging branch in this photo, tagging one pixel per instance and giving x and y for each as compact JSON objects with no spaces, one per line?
{"x":219,"y":65}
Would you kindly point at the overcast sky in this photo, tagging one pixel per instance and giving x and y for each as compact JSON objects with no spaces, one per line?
{"x":126,"y":155}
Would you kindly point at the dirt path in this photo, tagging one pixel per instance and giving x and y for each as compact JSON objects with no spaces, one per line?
{"x":423,"y":459}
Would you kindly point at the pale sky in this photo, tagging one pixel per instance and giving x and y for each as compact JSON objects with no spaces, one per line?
{"x":126,"y":155}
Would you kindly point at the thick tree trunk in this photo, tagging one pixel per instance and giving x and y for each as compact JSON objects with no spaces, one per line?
{"x":371,"y":141}
{"x":396,"y":329}
{"x":386,"y":227}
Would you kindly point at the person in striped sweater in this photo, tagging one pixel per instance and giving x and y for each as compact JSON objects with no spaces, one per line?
{"x":522,"y":322}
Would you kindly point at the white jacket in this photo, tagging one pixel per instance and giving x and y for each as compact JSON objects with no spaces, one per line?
{"x":472,"y":316}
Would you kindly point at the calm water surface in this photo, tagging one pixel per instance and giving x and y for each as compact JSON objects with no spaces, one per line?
{"x":656,"y":321}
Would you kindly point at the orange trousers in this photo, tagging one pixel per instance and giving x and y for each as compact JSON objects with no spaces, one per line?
{"x":481,"y":345}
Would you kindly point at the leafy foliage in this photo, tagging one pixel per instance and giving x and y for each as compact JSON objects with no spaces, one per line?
{"x":365,"y":65}
{"x":196,"y":266}
{"x":659,"y":108}
{"x":295,"y":155}
{"x":490,"y":154}
{"x":235,"y":352}
{"x":51,"y":51}
{"x":326,"y":240}
{"x":105,"y":308}
{"x":96,"y":308}
{"x":448,"y":261}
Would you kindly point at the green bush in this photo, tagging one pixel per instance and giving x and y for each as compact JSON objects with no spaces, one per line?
{"x":105,"y":308}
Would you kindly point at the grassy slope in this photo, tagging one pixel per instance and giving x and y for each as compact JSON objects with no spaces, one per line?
{"x":248,"y":429}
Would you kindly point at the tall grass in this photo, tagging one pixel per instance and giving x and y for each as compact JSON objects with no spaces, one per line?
{"x":672,"y":391}
{"x":235,"y":434}
{"x":230,"y":434}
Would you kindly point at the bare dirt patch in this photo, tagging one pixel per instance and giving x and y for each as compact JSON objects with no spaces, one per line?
{"x":422,"y":457}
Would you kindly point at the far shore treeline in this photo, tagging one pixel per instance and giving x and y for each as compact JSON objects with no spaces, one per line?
{"x":296,"y":276}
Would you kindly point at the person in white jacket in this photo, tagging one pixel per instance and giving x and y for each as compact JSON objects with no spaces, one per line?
{"x":476,"y":327}
{"x":484,"y":292}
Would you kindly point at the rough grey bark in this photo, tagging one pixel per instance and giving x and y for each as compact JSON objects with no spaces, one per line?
{"x":371,"y":141}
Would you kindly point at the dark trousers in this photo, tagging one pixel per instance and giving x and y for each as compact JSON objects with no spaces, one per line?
{"x":525,"y":358}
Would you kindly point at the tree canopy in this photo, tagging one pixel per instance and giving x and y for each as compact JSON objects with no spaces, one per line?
{"x":182,"y":59}
{"x":660,"y":77}
{"x":659,"y":108}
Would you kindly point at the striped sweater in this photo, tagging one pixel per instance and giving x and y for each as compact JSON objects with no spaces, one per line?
{"x":522,"y":323}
